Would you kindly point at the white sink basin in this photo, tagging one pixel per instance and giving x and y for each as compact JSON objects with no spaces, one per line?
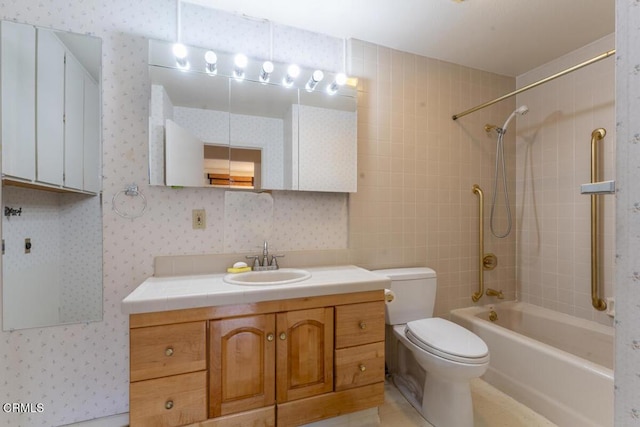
{"x":270,"y":277}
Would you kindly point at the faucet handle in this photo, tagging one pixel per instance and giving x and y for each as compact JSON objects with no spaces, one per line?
{"x":256,"y":260}
{"x":274,"y":260}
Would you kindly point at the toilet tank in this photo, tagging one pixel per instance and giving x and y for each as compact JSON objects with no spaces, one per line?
{"x":414,"y":292}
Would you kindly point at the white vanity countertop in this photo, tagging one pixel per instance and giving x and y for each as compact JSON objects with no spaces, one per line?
{"x":182,"y":292}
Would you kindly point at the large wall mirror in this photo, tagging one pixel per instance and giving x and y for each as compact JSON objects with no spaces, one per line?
{"x":214,"y":123}
{"x":50,"y":115}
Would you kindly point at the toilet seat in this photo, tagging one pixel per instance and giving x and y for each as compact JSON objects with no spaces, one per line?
{"x":447,"y":340}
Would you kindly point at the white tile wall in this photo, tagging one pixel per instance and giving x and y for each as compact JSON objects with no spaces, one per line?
{"x":553,"y":145}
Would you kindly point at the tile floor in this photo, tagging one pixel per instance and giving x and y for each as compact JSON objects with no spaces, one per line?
{"x":491,"y":408}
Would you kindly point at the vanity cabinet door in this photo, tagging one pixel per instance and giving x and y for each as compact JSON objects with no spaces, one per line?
{"x":305,"y":353}
{"x":242,"y":365}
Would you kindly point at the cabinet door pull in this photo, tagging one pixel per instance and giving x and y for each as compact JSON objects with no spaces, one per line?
{"x":270,"y":337}
{"x":283,"y":336}
{"x":362,"y":368}
{"x":363,"y":325}
{"x":168,"y":404}
{"x":168,"y":352}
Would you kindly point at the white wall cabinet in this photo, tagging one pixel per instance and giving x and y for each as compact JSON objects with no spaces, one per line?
{"x":73,"y":124}
{"x":18,"y":86}
{"x":50,"y":109}
{"x":50,"y":113}
{"x":92,"y":162}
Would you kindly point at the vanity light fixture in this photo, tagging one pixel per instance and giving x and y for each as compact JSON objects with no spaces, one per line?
{"x":180,"y":52}
{"x":292,"y":73}
{"x":315,"y":78}
{"x":240,"y":62}
{"x":265,"y":72}
{"x":340,"y":80}
{"x":211,"y":60}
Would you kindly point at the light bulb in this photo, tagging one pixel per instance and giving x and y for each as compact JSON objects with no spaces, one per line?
{"x":340,"y":80}
{"x":240,"y":61}
{"x":212,"y":62}
{"x":265,"y":73}
{"x":180,"y":52}
{"x":315,"y":78}
{"x":292,"y":73}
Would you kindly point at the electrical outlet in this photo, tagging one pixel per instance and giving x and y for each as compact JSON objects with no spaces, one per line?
{"x":199,"y":219}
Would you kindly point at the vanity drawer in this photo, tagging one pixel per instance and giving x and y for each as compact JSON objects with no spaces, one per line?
{"x":166,"y":402}
{"x":358,"y":324}
{"x":160,"y":351}
{"x":357,"y":366}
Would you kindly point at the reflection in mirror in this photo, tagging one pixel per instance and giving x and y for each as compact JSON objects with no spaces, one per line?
{"x":197,"y":107}
{"x":255,"y":116}
{"x":261,"y":117}
{"x":51,"y":178}
{"x":327,"y":127}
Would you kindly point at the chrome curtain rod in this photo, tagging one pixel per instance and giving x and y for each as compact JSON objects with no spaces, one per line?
{"x":538,"y":83}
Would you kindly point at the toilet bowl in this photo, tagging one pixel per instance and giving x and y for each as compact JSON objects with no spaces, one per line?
{"x":431,"y":360}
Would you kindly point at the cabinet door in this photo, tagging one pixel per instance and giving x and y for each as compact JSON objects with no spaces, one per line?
{"x":92,"y":155}
{"x":50,"y":108}
{"x":242,"y":364}
{"x":184,"y":157}
{"x":74,"y":123}
{"x":304,"y":353}
{"x":18,"y":77}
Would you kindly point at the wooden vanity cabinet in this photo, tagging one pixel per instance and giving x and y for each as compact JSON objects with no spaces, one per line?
{"x":274,"y":363}
{"x":168,"y":374}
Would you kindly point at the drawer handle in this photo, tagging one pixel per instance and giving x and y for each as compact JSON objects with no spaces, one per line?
{"x":363,"y":325}
{"x":362,"y":368}
{"x":168,"y":352}
{"x":270,"y":337}
{"x":283,"y":336}
{"x":168,"y":404}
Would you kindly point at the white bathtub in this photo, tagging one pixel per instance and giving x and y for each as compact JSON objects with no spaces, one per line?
{"x":558,"y":365}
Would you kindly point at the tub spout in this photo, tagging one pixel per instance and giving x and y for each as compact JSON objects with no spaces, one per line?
{"x":494,"y":293}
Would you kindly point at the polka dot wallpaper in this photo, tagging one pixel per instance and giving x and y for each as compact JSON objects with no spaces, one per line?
{"x":79,"y":372}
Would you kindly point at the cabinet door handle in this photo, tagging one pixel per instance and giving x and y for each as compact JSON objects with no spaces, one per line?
{"x":168,"y":404}
{"x":270,"y":336}
{"x":283,"y":336}
{"x":168,"y":352}
{"x":363,"y":325}
{"x":362,"y":368}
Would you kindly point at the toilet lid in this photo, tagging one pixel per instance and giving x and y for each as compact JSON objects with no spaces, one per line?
{"x":448,"y":340}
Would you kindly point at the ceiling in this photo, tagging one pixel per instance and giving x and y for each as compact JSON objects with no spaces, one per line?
{"x":508,"y":37}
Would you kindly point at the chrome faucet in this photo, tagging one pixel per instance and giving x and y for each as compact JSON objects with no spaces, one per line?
{"x":265,"y":264}
{"x":493,"y":293}
{"x":265,"y":254}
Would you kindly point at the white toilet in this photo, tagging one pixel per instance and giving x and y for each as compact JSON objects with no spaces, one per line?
{"x":431,"y":360}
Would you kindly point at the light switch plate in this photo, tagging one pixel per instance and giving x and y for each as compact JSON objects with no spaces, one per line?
{"x":199,"y":219}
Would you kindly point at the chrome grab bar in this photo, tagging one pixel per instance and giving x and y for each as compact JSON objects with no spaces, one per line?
{"x":597,"y":302}
{"x":477,"y":295}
